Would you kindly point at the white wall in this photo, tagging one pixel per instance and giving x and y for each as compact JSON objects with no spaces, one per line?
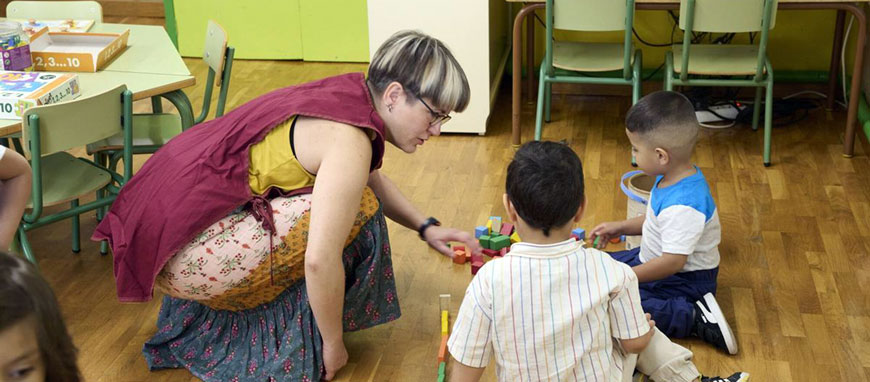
{"x":463,"y":26}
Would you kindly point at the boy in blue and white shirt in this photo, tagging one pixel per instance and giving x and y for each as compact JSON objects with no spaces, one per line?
{"x":678,"y":260}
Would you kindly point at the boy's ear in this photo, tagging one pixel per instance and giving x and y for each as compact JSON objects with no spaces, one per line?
{"x":580,"y":210}
{"x":663,"y":156}
{"x":509,"y":207}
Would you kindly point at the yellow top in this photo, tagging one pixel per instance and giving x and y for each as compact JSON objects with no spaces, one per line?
{"x":274,"y":165}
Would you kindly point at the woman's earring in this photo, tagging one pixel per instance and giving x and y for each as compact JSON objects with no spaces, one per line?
{"x":390,"y":108}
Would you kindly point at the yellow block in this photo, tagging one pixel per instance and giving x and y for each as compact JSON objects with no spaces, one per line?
{"x":443,"y":322}
{"x":489,"y":226}
{"x":515,"y":238}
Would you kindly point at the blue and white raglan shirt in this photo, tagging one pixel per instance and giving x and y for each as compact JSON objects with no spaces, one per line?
{"x":682,"y":219}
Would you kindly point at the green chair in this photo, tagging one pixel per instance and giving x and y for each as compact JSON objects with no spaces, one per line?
{"x":59,"y":177}
{"x":576,"y":58}
{"x":171,"y":26}
{"x":687,"y":64}
{"x":151,"y":131}
{"x":55,"y":10}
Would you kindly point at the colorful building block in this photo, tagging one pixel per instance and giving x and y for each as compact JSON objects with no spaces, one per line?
{"x":576,"y":238}
{"x":504,"y":251}
{"x":442,"y":349}
{"x":580,"y":233}
{"x":489,"y":225}
{"x":484,"y":241}
{"x":476,"y":258}
{"x":475,"y":266}
{"x":442,"y":371}
{"x":507,"y":229}
{"x":459,"y":257}
{"x":515,"y":238}
{"x":480,"y":231}
{"x":499,"y":242}
{"x":615,"y":239}
{"x":490,"y":252}
{"x":622,"y":238}
{"x":443,"y":322}
{"x":459,"y":248}
{"x":495,"y":223}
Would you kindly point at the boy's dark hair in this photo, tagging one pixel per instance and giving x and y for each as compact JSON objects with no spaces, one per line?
{"x":25,"y":294}
{"x":545,"y":184}
{"x":657,"y":109}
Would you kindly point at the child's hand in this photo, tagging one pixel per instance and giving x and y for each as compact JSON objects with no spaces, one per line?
{"x":604,"y":232}
{"x":652,"y":323}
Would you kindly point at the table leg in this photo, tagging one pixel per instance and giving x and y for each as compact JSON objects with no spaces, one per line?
{"x":857,"y":71}
{"x":835,"y":59}
{"x":516,"y":59}
{"x":530,"y":57}
{"x":182,"y":103}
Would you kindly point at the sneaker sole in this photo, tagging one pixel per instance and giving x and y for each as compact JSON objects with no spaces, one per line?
{"x":730,"y":340}
{"x":744,"y":377}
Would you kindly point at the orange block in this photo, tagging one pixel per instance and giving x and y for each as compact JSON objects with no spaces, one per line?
{"x":459,"y":257}
{"x":442,"y":350}
{"x":615,"y":240}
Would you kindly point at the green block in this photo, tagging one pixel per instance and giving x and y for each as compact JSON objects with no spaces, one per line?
{"x":442,"y":369}
{"x":500,"y":242}
{"x":485,"y":241}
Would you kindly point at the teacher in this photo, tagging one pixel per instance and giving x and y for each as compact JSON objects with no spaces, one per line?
{"x":265,"y":228}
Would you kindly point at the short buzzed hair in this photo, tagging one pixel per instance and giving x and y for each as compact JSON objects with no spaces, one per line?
{"x":665,"y":119}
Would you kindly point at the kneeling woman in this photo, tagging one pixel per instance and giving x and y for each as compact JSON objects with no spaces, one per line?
{"x":265,"y":227}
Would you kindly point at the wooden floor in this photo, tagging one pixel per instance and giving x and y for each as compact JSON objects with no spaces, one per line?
{"x":795,"y":272}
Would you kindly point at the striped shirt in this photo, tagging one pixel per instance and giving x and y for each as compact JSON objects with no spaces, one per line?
{"x":549,"y":312}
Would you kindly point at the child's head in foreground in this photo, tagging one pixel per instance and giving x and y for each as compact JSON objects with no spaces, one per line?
{"x":544,"y":190}
{"x":34,"y":343}
{"x":663,"y":129}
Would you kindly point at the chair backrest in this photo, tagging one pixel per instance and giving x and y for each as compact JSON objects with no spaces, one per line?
{"x":608,"y":15}
{"x":75,"y":123}
{"x":591,"y":15}
{"x":219,"y":58}
{"x":55,"y":10}
{"x":725,"y":16}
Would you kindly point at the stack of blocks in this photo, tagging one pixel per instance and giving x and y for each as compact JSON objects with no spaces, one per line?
{"x":495,"y":238}
{"x":444,"y":301}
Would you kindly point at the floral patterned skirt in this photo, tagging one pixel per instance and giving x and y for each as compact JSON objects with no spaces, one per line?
{"x":236,"y":312}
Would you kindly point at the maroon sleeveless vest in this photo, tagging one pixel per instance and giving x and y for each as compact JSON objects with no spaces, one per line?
{"x":201,"y":175}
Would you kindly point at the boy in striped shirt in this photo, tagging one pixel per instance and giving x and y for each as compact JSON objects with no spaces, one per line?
{"x":552,"y":309}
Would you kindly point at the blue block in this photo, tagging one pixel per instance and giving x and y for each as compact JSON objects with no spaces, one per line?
{"x":622,"y":238}
{"x":480,"y":231}
{"x":579,"y":232}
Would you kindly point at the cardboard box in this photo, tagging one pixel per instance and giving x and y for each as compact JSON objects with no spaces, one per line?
{"x":75,"y":52}
{"x":20,"y":91}
{"x":32,"y":26}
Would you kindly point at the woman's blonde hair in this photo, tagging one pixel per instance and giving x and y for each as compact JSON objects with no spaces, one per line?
{"x":425,"y":68}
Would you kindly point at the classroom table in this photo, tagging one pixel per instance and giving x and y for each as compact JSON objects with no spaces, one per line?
{"x":530,"y":6}
{"x":150,"y":67}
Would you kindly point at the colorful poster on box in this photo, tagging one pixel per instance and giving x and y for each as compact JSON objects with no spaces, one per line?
{"x":20,"y":91}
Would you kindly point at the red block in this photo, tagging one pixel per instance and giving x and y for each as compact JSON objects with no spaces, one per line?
{"x":490,"y":252}
{"x":476,"y":258}
{"x":575,"y":237}
{"x":507,"y":229}
{"x":475,"y":266}
{"x":459,"y":257}
{"x":503,"y":251}
{"x":459,"y":248}
{"x":615,"y":239}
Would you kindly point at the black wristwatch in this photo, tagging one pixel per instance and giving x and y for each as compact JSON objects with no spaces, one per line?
{"x":428,"y":222}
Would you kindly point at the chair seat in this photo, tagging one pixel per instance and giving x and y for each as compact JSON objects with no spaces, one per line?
{"x":148,"y":130}
{"x":588,"y":57}
{"x":65,"y":178}
{"x":726,"y":60}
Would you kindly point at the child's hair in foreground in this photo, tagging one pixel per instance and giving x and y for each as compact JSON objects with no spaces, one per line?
{"x":545,"y":184}
{"x":665,"y":119}
{"x":24,"y":294}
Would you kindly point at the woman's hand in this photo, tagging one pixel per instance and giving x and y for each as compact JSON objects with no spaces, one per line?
{"x":438,"y":237}
{"x":334,"y":358}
